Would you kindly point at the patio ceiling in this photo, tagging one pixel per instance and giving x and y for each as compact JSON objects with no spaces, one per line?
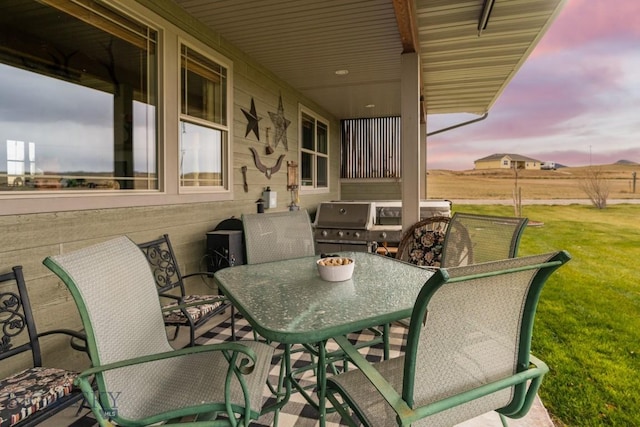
{"x":304,"y":42}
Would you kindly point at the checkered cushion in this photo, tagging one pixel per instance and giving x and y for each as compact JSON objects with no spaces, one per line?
{"x":196,"y":312}
{"x":29,"y":391}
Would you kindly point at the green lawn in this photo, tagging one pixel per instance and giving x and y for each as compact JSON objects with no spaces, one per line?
{"x":588,"y":321}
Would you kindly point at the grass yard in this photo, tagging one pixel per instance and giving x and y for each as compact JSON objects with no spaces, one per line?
{"x":588,"y":322}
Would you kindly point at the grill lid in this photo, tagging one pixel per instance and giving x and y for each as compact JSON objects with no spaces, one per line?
{"x":349,"y":215}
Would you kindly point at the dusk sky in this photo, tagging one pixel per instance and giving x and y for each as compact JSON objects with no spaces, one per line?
{"x":575,"y":101}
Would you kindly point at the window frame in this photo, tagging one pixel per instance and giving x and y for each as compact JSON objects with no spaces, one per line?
{"x":302,"y":110}
{"x":227,"y":150}
{"x":168,"y":147}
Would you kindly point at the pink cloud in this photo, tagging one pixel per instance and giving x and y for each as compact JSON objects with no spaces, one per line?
{"x":591,"y":21}
{"x":578,"y":89}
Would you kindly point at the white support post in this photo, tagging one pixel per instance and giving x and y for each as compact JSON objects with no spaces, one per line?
{"x":411,"y":158}
{"x":423,"y":164}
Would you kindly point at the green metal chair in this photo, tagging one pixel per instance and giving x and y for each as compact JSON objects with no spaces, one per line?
{"x":467,"y":352}
{"x":140,"y":378}
{"x":277,"y":236}
{"x":473,"y":239}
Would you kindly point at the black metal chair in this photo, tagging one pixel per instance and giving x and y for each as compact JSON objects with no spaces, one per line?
{"x":423,"y":243}
{"x":37,"y":393}
{"x":195,"y":310}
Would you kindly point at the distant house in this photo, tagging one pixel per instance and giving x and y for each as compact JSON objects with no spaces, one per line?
{"x":506,"y":161}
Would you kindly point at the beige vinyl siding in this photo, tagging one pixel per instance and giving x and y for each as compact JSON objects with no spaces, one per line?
{"x":27,"y":238}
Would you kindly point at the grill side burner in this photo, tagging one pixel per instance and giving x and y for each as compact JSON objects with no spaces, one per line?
{"x":361,"y":225}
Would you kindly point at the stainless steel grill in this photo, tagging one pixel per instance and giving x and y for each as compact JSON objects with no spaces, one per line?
{"x":364,"y":225}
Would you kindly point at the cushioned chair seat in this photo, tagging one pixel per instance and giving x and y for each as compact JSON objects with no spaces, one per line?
{"x":427,"y":247}
{"x":196,"y":312}
{"x":32,"y":390}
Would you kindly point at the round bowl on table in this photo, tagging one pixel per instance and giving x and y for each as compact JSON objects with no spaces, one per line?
{"x":335,"y":269}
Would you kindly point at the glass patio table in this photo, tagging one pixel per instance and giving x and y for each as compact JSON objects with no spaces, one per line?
{"x":287,"y":302}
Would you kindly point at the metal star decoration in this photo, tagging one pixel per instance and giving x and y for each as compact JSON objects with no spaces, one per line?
{"x":253,"y":119}
{"x":281,"y":124}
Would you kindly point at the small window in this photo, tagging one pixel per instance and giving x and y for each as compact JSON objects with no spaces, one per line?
{"x":314,"y":151}
{"x":203,"y":122}
{"x":505,"y":162}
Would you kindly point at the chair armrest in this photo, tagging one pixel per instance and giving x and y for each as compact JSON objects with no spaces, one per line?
{"x":198,"y":273}
{"x":535,"y":372}
{"x":245,"y":366}
{"x":75,"y":336}
{"x":233,"y":347}
{"x":171,"y":296}
{"x":382,"y":385}
{"x":535,"y":365}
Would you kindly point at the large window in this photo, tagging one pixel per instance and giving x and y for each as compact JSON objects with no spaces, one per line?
{"x":203,"y":121}
{"x":314,"y":151}
{"x":78,"y":98}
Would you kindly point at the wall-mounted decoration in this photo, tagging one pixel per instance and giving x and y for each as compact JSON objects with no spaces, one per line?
{"x":292,"y":185}
{"x":245,"y":186}
{"x":267,"y":171}
{"x":252,"y":117}
{"x":292,"y":175}
{"x":281,"y":124}
{"x":269,"y":148}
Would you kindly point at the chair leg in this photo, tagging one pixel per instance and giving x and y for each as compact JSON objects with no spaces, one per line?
{"x":233,"y":323}
{"x":504,"y":420}
{"x":386,"y":330}
{"x":192,"y":336}
{"x":175,"y":333}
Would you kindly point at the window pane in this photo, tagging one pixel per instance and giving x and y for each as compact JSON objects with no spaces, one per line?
{"x":306,"y":170}
{"x":78,"y":89}
{"x":203,"y":88}
{"x":201,"y":154}
{"x":308,"y":132}
{"x":323,"y":138}
{"x":323,"y":175}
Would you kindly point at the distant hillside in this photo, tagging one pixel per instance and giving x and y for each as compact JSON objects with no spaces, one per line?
{"x":625,"y":162}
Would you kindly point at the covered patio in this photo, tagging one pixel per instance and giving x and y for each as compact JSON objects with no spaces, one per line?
{"x":285,"y":66}
{"x":367,"y":59}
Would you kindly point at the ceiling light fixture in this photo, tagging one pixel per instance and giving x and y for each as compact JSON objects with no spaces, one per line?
{"x":342,"y":72}
{"x":487,"y":7}
{"x":369,"y":105}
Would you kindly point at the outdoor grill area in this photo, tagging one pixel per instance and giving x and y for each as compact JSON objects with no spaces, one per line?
{"x":363,"y":226}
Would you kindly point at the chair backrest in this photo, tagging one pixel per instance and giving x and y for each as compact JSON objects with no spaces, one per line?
{"x":114,"y":289}
{"x":423,"y":243}
{"x":163,"y":263}
{"x":276,"y":236}
{"x":16,"y":319}
{"x":470,"y":326}
{"x":473,"y":239}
